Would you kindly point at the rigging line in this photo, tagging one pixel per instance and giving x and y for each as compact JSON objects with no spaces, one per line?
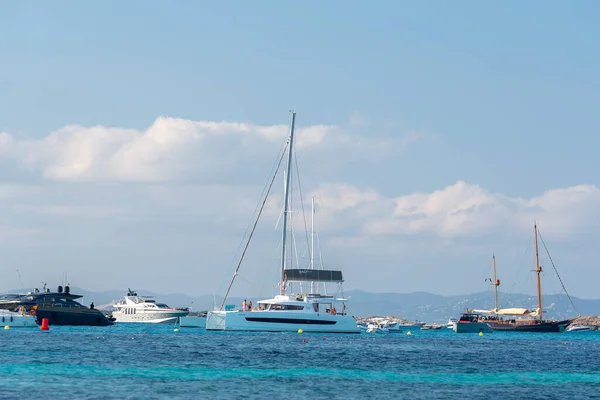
{"x":302,"y":202}
{"x":254,"y":227}
{"x":555,"y":270}
{"x":527,"y":249}
{"x":274,"y":169}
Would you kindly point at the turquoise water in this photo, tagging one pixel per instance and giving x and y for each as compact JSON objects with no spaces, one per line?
{"x":153,"y":362}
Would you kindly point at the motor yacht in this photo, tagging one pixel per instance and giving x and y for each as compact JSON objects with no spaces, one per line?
{"x":145,"y":309}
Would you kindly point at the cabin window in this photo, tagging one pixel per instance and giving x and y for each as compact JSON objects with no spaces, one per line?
{"x":286,"y":307}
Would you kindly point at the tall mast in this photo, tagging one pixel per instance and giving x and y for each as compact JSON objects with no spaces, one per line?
{"x":538,"y":271}
{"x":312,"y":240}
{"x":286,"y":203}
{"x":496,"y":284}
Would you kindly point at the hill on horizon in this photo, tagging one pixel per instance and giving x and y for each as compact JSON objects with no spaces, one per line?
{"x":422,"y":306}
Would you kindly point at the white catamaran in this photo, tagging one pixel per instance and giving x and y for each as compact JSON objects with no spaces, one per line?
{"x":307,"y":311}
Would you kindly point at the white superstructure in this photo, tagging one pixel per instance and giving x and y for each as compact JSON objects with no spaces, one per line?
{"x":307,"y":310}
{"x":145,"y":309}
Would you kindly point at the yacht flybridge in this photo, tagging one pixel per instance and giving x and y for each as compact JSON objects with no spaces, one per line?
{"x":307,"y":309}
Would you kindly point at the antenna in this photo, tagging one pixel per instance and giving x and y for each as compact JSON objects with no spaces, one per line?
{"x":20,"y":280}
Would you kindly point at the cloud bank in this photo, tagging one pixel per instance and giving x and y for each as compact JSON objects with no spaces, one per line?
{"x":176,"y":197}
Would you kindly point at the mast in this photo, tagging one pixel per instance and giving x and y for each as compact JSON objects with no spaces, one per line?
{"x":496,"y":284}
{"x":538,"y":271}
{"x":312,"y":240}
{"x":286,"y":203}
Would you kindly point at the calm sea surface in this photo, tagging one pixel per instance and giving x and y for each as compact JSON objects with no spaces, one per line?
{"x":155,"y":362}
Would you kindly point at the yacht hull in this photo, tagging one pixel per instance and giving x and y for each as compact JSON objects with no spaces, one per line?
{"x":149,"y":317}
{"x":17,"y":320}
{"x":542,"y":327}
{"x":192,"y":322}
{"x":75,"y":316}
{"x":270,"y":321}
{"x":471,"y":327}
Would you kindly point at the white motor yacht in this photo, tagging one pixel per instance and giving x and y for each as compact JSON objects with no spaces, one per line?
{"x":575,"y":328}
{"x":13,"y":314}
{"x":145,"y":309}
{"x":306,"y":310}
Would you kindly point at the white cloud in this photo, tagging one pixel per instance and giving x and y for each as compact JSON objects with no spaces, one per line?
{"x":172,"y":148}
{"x":463,"y":209}
{"x":180,"y":194}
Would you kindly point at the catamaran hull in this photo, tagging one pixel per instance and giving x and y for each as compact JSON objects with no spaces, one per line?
{"x":192,"y":322}
{"x":268,"y":321}
{"x":543,"y":327}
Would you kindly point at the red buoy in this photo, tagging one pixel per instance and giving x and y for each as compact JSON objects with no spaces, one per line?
{"x":44,"y":326}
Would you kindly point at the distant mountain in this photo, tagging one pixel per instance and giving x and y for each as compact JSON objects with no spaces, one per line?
{"x":420,"y":306}
{"x":429,"y":307}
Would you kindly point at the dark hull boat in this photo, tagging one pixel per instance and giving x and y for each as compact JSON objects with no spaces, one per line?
{"x":61,"y":309}
{"x":530,"y":326}
{"x":522,"y":319}
{"x":62,"y":316}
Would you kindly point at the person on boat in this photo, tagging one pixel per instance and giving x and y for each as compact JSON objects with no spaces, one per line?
{"x":92,"y":306}
{"x":244,"y":305}
{"x":250,"y":306}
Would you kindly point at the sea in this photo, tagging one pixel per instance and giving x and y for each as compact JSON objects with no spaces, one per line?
{"x":139,"y":361}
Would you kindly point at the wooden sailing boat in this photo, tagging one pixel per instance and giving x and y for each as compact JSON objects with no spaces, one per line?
{"x":522,"y":319}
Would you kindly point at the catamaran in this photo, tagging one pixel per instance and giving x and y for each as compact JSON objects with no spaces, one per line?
{"x":309,"y":311}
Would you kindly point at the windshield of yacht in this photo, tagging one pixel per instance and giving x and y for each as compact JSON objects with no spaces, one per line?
{"x":162,"y":305}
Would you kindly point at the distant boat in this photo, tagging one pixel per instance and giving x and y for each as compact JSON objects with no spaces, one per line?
{"x":451,"y":323}
{"x":411,"y":326}
{"x":13,"y":314}
{"x":576,"y":328}
{"x":521,"y":319}
{"x":471,"y":323}
{"x":193,"y":321}
{"x":144,"y":309}
{"x":428,"y":327}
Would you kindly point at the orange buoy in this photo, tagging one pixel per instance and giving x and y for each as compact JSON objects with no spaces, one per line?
{"x":44,"y":326}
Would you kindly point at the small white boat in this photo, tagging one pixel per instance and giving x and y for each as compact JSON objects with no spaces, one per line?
{"x":451,"y":323}
{"x":411,"y":327}
{"x":429,"y":327}
{"x":393,"y":326}
{"x":576,"y":328}
{"x":374,"y":327}
{"x":144,"y":309}
{"x":14,"y":319}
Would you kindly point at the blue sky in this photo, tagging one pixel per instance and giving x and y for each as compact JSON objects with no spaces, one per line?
{"x":501,"y":96}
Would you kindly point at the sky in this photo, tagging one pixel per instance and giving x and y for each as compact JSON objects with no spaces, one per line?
{"x":136,"y":139}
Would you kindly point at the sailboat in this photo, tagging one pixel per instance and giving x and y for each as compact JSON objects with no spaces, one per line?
{"x":521,"y":319}
{"x":288,"y":311}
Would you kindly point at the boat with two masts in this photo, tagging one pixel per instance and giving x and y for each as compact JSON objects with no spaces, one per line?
{"x":144,"y":309}
{"x":522,"y":319}
{"x":305,"y":310}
